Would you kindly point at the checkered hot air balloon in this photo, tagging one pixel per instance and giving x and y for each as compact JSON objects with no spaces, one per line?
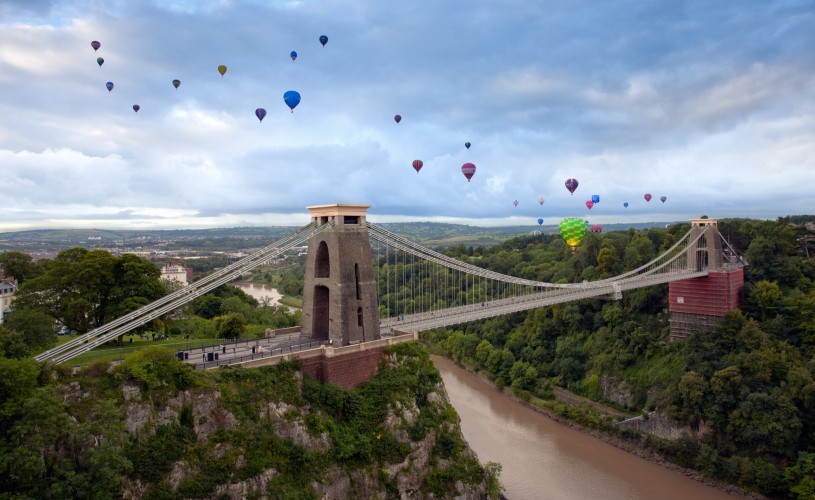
{"x":573,"y":229}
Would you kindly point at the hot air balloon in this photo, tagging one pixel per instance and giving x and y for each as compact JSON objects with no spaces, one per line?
{"x":467,"y":145}
{"x":595,"y":198}
{"x":468,"y":169}
{"x":95,"y":45}
{"x":625,"y":204}
{"x":293,"y":55}
{"x":663,"y":198}
{"x":323,"y":40}
{"x":397,"y":118}
{"x":540,"y":222}
{"x":647,"y":197}
{"x":292,"y":99}
{"x":596,"y":229}
{"x":261,"y":114}
{"x":222,"y":69}
{"x":109,"y":85}
{"x":589,"y":204}
{"x":417,"y":165}
{"x":541,"y":200}
{"x":515,"y":202}
{"x":136,"y":108}
{"x":176,"y":84}
{"x":100,"y":61}
{"x":571,"y":185}
{"x":573,"y":230}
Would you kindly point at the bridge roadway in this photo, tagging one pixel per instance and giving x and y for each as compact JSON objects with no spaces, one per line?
{"x":462,"y":314}
{"x":255,"y":349}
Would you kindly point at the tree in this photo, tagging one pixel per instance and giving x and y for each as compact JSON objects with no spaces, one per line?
{"x":17,"y":265}
{"x":36,"y":328}
{"x":83,"y":289}
{"x":231,"y":326}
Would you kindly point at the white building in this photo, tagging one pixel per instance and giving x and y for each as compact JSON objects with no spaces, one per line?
{"x":6,"y":292}
{"x":175,"y":272}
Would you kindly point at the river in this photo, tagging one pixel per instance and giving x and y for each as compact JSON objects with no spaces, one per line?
{"x":544,"y":459}
{"x":260,"y":292}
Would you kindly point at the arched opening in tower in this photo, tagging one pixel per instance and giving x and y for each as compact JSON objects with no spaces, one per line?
{"x":322,"y":264}
{"x":319,"y":320}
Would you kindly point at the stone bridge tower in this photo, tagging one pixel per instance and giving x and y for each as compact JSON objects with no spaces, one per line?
{"x":339,"y":292}
{"x":698,"y":304}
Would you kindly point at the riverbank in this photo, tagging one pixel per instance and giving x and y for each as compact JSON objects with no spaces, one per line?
{"x":632,"y":442}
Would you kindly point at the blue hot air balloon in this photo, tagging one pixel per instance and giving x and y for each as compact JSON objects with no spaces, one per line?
{"x":292,"y":99}
{"x":109,"y":85}
{"x":595,"y":198}
{"x":540,"y":222}
{"x":293,"y":55}
{"x":625,"y":204}
{"x":323,"y":40}
{"x":261,"y":114}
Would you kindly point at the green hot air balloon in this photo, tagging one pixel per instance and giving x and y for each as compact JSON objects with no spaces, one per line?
{"x":573,"y":230}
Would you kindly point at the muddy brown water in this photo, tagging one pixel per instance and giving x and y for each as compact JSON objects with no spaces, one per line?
{"x":544,"y":459}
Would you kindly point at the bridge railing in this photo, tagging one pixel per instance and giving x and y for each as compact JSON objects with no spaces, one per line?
{"x":173,"y":301}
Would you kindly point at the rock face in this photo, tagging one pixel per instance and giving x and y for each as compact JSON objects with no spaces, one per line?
{"x":616,"y":390}
{"x":658,"y":424}
{"x":251,"y":429}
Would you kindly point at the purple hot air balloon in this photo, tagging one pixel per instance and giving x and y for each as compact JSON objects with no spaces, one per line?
{"x":261,"y":114}
{"x":515,"y":202}
{"x":136,"y":108}
{"x":571,"y":185}
{"x":95,"y":45}
{"x":109,"y":85}
{"x":468,"y":169}
{"x":397,"y":118}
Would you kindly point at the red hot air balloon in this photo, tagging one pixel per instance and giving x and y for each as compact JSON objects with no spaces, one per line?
{"x":596,"y":229}
{"x":417,"y":165}
{"x":397,"y":118}
{"x":663,"y":198}
{"x":261,"y":114}
{"x":589,"y":204}
{"x":571,"y":185}
{"x":468,"y":169}
{"x":647,"y":197}
{"x":95,"y":45}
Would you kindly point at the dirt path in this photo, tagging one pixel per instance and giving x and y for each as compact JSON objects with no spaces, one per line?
{"x":570,"y":398}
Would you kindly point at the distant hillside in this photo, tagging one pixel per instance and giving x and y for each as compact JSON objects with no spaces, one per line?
{"x":432,"y":234}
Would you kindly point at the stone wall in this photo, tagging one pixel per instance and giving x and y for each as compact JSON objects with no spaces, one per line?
{"x":346,"y":370}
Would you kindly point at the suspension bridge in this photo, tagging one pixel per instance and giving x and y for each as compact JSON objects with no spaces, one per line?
{"x":364,"y":282}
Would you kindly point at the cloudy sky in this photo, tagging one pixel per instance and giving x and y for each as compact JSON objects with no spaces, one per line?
{"x":709,"y":103}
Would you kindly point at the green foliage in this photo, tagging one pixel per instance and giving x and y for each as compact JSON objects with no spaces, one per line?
{"x":83,"y":289}
{"x":36,"y":328}
{"x":153,"y":367}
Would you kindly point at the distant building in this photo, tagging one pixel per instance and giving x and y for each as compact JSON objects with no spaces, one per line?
{"x":6,"y":295}
{"x":176,"y":272}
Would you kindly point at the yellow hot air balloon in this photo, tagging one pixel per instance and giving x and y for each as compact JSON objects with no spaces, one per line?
{"x":222,"y":69}
{"x":573,"y":229}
